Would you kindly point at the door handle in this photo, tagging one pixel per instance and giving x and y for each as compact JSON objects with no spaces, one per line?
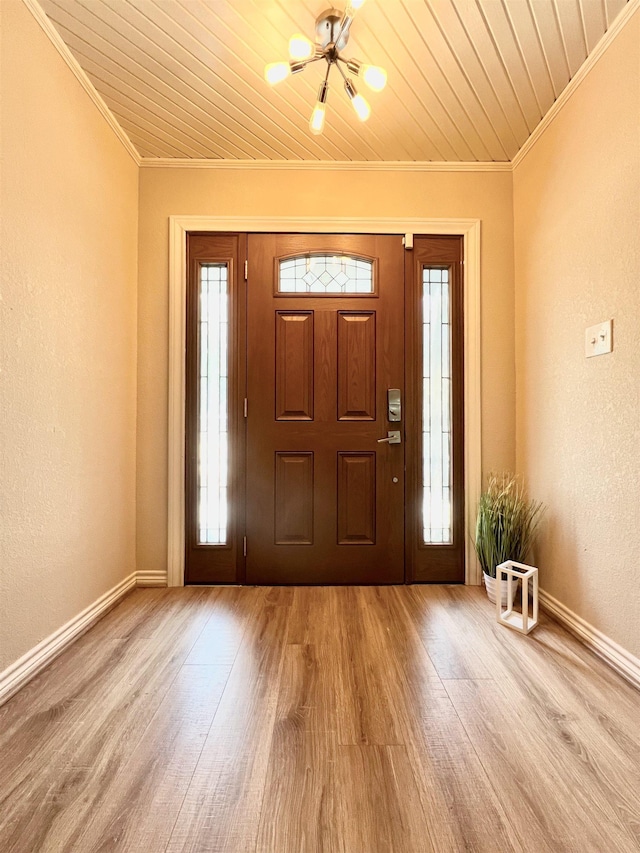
{"x":393,"y":437}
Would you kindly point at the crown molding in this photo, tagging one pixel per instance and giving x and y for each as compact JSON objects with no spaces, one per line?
{"x":323,"y":165}
{"x":585,"y":69}
{"x":56,"y":40}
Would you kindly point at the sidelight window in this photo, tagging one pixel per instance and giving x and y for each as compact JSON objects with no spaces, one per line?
{"x":213,"y":405}
{"x":436,"y":407}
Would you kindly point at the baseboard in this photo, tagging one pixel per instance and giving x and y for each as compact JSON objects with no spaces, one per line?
{"x":35,"y":660}
{"x":150,"y":578}
{"x":626,"y":664}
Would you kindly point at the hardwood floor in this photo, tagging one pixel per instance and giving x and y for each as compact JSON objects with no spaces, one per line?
{"x":320,"y":719}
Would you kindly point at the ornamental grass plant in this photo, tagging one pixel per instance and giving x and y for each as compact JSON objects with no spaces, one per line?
{"x":507,"y":523}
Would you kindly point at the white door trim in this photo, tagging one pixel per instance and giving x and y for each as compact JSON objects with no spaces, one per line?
{"x":178,"y":228}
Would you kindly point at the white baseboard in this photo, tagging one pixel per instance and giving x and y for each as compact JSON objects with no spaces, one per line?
{"x":35,"y":660}
{"x":618,"y":658}
{"x":150,"y":578}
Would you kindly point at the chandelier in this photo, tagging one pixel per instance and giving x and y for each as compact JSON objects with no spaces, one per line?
{"x":332,"y":35}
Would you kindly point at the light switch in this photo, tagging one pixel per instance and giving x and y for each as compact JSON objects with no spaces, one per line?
{"x":598,"y":339}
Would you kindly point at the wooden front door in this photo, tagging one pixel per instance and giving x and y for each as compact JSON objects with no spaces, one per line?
{"x":325,"y":323}
{"x":290,"y":356}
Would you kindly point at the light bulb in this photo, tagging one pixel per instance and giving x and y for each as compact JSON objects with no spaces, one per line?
{"x":316,"y":123}
{"x":361,"y":106}
{"x":275,"y":72}
{"x":374,"y":76}
{"x":300,"y":47}
{"x":356,"y":4}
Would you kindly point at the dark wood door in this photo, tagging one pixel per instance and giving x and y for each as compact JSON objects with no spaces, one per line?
{"x":325,"y":499}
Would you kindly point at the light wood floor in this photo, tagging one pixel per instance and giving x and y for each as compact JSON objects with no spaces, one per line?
{"x":313,"y":720}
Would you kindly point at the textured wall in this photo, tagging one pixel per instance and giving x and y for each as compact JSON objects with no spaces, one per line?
{"x":577,"y":250}
{"x":67,"y":421}
{"x":163,"y":192}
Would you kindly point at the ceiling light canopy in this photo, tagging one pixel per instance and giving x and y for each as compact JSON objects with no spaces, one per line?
{"x":331,"y":37}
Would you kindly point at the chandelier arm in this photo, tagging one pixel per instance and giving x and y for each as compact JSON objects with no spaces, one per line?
{"x":300,"y":64}
{"x":344,"y":76}
{"x":323,"y":91}
{"x":345,"y":23}
{"x":353,"y":65}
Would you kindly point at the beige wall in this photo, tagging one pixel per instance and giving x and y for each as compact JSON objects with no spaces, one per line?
{"x":67,"y":421}
{"x":163,"y":192}
{"x":577,"y":245}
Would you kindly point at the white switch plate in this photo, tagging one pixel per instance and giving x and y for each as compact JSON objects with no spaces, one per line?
{"x":598,"y":339}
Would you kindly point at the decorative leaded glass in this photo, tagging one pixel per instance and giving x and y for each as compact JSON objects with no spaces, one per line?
{"x":436,"y":407}
{"x":322,"y":274}
{"x":213,"y":407}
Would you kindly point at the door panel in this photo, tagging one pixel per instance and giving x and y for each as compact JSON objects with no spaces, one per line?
{"x":294,"y":365}
{"x":293,"y":506}
{"x":325,"y":500}
{"x":356,"y":366}
{"x":356,"y":498}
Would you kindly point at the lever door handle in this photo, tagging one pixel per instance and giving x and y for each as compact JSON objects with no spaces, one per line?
{"x":393,"y":437}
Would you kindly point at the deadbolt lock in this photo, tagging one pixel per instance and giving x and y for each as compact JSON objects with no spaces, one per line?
{"x":394,"y":405}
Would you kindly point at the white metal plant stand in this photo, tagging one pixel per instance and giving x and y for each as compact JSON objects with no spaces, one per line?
{"x":521,"y":622}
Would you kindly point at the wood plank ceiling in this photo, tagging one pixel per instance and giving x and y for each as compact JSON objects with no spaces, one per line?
{"x":469,"y":80}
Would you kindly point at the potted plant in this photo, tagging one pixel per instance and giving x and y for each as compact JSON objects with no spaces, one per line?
{"x":506,"y":527}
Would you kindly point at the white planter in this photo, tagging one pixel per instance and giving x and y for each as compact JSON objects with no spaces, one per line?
{"x":490,"y":584}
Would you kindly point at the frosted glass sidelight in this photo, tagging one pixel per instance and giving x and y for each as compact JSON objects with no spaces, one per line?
{"x":436,"y":407}
{"x":213,"y":405}
{"x":322,"y":274}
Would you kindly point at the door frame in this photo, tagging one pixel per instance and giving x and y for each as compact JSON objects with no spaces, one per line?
{"x":179,"y":226}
